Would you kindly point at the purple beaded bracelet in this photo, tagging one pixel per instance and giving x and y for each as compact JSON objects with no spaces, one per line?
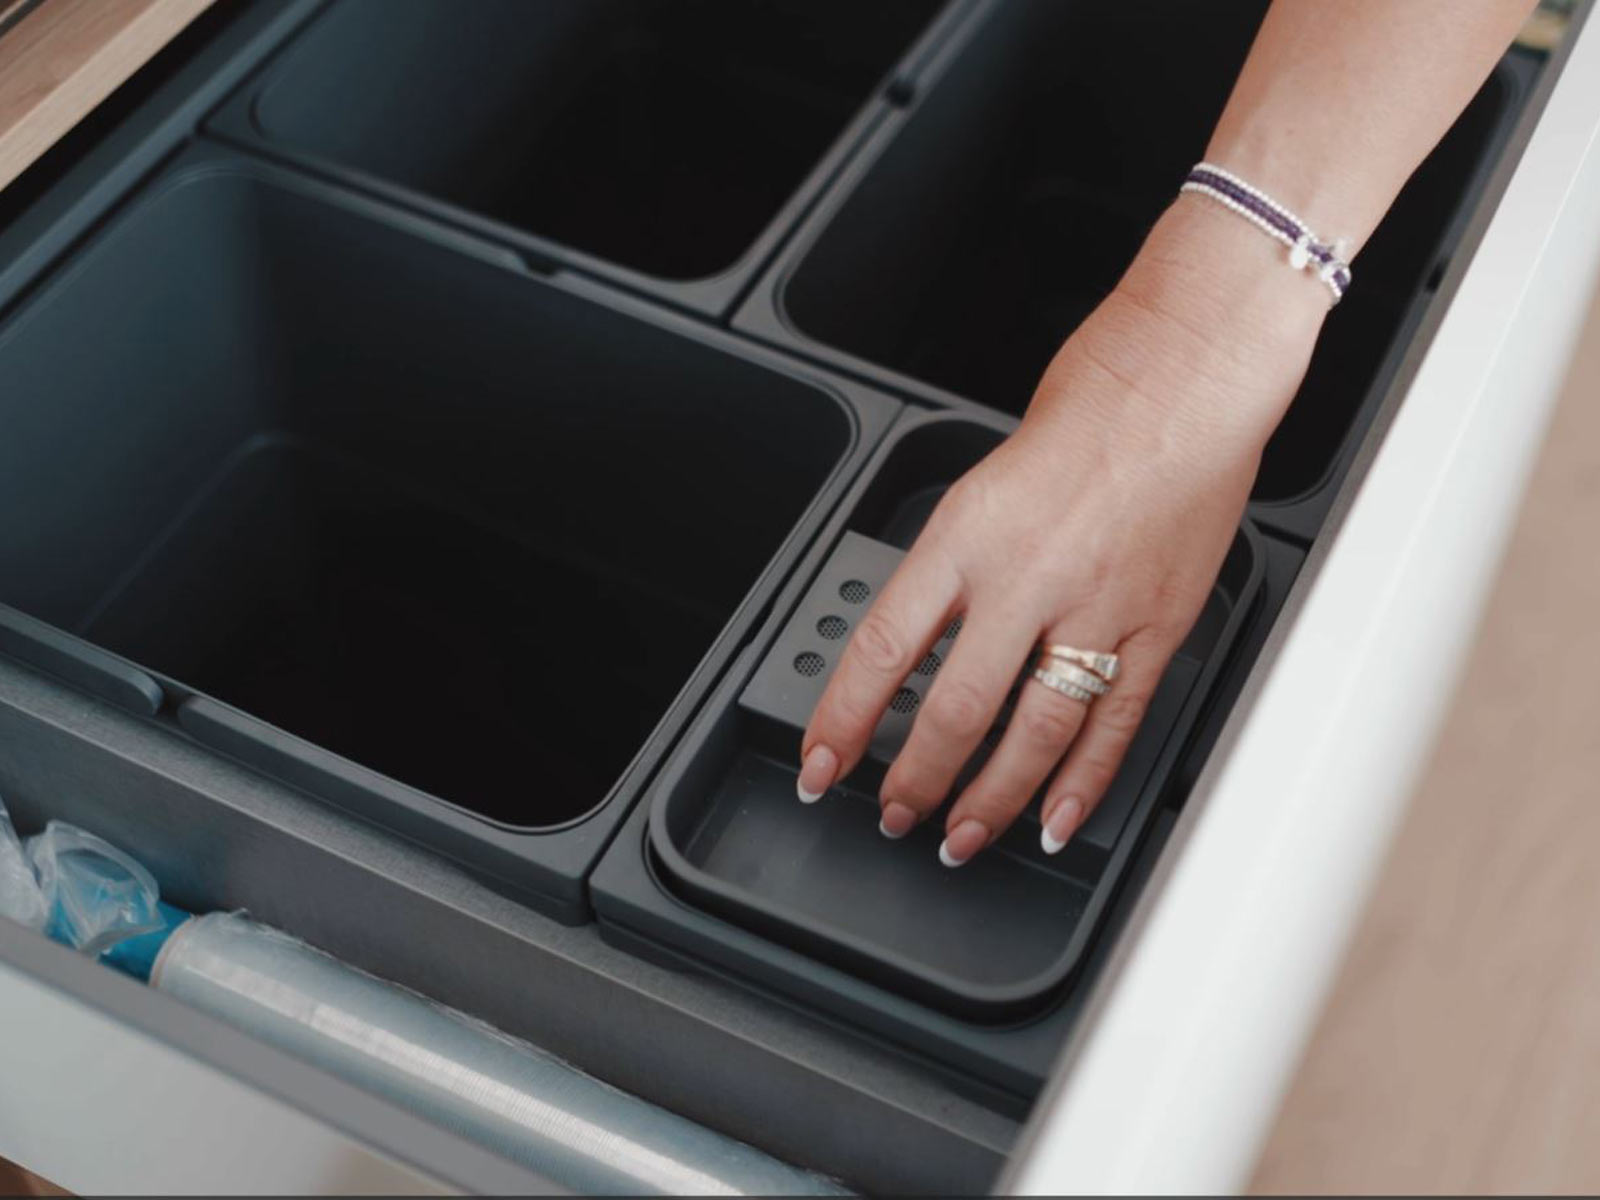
{"x":1305,"y":251}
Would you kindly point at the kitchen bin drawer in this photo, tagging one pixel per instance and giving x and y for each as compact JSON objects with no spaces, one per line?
{"x":395,"y":545}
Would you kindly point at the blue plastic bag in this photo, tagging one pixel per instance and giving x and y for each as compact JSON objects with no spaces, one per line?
{"x":74,"y":887}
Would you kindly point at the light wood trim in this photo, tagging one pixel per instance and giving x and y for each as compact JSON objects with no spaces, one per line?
{"x":1457,"y":1054}
{"x":67,"y":56}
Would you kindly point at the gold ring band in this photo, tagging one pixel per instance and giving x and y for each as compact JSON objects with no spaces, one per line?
{"x":1104,"y":665}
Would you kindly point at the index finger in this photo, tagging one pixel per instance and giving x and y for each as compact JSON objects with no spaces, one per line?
{"x":889,"y":641}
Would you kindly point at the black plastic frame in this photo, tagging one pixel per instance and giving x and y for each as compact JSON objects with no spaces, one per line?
{"x":714,"y":295}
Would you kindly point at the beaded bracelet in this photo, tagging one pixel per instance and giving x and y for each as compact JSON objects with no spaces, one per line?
{"x":1261,"y":210}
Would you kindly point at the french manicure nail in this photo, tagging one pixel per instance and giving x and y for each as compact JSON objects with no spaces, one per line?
{"x":1060,"y":825}
{"x":898,"y":820}
{"x":962,"y":842}
{"x":816,"y":774}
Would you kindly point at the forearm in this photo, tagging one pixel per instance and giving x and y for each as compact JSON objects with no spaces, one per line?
{"x":1101,"y":523}
{"x":1336,"y":106}
{"x":1340,"y":101}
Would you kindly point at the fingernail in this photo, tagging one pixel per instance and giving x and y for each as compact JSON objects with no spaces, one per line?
{"x":962,"y":842}
{"x":816,"y":774}
{"x":1060,"y":825}
{"x":898,"y":820}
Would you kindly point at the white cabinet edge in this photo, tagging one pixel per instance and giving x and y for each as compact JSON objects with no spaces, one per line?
{"x":1175,"y":1078}
{"x":93,"y":1104}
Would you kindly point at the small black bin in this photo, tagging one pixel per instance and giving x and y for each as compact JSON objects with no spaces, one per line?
{"x":419,"y":510}
{"x":927,"y":955}
{"x":663,"y":139}
{"x":954,"y":261}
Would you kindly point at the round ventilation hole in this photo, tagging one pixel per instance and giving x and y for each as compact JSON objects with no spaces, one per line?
{"x":833,"y":628}
{"x":905,"y":701}
{"x":809,"y":663}
{"x":853,"y":591}
{"x":952,"y":629}
{"x":930,"y":665}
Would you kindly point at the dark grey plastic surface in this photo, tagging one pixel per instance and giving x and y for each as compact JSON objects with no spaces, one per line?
{"x":663,"y":145}
{"x":219,"y":836}
{"x":71,"y":659}
{"x":977,"y":230}
{"x":363,"y":501}
{"x":1005,"y":1064}
{"x":829,"y":912}
{"x":784,"y":689}
{"x":790,"y":680}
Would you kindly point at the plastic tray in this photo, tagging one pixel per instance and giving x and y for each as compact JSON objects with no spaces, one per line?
{"x":389,"y":517}
{"x":1053,"y":136}
{"x":992,"y":944}
{"x":664,"y":146}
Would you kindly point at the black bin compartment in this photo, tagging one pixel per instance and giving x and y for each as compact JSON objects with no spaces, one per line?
{"x":872,"y":929}
{"x":420,"y":511}
{"x":1011,"y":199}
{"x":662,"y":138}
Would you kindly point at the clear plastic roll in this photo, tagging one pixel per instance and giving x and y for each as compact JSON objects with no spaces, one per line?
{"x":504,"y":1093}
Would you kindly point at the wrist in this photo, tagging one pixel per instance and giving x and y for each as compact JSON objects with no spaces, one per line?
{"x":1247,"y":320}
{"x":1201,"y":346}
{"x":1208,"y":268}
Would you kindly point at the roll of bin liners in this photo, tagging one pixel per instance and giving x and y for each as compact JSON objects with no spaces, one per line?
{"x":459,"y":1072}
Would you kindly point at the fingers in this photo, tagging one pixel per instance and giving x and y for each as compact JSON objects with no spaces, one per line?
{"x":961,"y":707}
{"x":890,"y":640}
{"x":1041,"y":729}
{"x":959,"y":710}
{"x":1108,"y":730}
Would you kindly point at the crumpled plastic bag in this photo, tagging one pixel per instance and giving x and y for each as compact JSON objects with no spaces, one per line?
{"x":98,"y":895}
{"x":20,"y":896}
{"x":74,"y":887}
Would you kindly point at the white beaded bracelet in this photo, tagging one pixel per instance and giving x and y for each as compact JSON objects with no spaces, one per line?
{"x":1306,"y":252}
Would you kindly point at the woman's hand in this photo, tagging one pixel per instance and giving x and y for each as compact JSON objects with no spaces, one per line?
{"x":1101,"y":523}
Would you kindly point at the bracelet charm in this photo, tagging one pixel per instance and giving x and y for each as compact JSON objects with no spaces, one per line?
{"x":1306,"y":253}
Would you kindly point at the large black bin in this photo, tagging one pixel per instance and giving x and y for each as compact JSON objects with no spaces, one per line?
{"x":665,"y":144}
{"x":974,"y":235}
{"x":416,"y":510}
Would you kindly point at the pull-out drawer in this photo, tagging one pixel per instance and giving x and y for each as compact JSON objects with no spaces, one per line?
{"x":430,"y":563}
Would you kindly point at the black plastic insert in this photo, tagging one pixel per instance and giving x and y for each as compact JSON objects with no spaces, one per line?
{"x":994,"y":941}
{"x":1015,"y":195}
{"x":432,"y":515}
{"x":660,"y":136}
